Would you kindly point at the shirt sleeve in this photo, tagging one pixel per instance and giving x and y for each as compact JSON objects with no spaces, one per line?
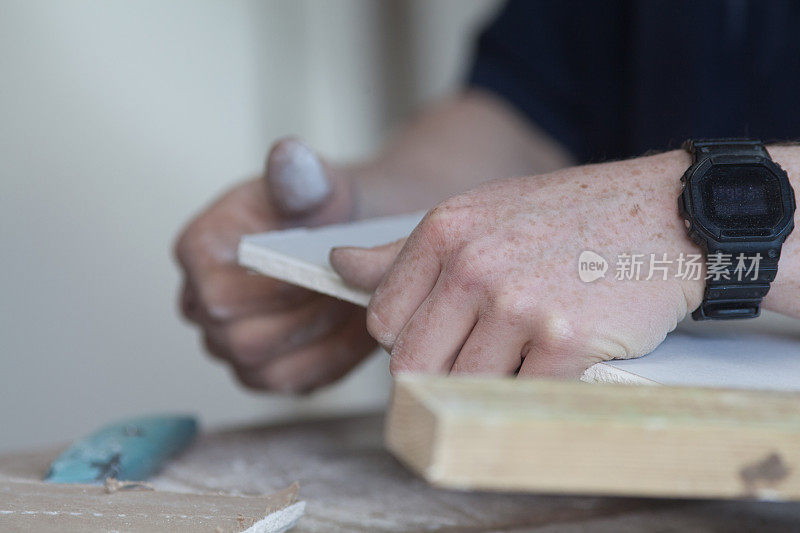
{"x":562,"y":64}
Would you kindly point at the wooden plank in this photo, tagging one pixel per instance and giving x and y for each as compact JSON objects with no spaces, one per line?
{"x":720,"y":355}
{"x":566,"y":437}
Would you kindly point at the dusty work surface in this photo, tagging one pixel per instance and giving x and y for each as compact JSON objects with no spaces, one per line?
{"x":36,"y":506}
{"x":351,"y":484}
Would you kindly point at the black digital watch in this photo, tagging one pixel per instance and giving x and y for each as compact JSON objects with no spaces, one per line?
{"x":738,"y":206}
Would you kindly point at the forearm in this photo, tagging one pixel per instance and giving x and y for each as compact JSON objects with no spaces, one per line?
{"x":450,"y":148}
{"x":660,"y":194}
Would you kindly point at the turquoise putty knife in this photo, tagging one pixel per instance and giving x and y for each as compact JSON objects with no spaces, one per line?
{"x":131,"y":450}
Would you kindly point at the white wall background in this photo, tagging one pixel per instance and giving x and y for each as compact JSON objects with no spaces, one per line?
{"x":118,"y":120}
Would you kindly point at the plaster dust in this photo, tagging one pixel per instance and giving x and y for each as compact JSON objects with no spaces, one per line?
{"x":295,"y":176}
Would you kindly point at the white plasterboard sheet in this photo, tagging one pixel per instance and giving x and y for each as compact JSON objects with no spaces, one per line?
{"x":300,"y":255}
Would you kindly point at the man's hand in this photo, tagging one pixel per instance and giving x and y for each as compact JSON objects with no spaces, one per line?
{"x":275,"y":336}
{"x":488,"y":282}
{"x":280,"y":337}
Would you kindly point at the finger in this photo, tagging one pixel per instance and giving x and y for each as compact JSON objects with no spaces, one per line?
{"x":493,"y":348}
{"x":314,"y":365}
{"x":296,"y":179}
{"x":188,"y":304}
{"x":252,"y":341}
{"x":432,"y":338}
{"x":212,"y":238}
{"x":556,"y":352}
{"x":364,"y":267}
{"x":214,"y":347}
{"x":403,"y":288}
{"x":229,"y":292}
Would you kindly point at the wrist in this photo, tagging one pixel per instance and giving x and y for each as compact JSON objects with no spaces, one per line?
{"x":648,"y":200}
{"x":380,"y":188}
{"x":666,"y":170}
{"x":784,"y":294}
{"x":780,"y":297}
{"x":368,"y":190}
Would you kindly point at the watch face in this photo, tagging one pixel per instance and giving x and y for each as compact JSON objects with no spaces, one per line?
{"x":742,"y":197}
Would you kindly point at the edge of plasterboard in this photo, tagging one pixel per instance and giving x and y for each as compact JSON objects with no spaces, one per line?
{"x":297,"y":272}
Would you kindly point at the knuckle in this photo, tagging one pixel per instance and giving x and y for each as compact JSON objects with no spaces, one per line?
{"x":245,"y":348}
{"x":188,"y":305}
{"x":211,"y":346}
{"x":464,"y":272}
{"x":249,"y":378}
{"x":185,"y":245}
{"x":180,"y":250}
{"x":514,"y":308}
{"x":214,"y":303}
{"x":559,"y":335}
{"x":470,"y":269}
{"x":441,"y":224}
{"x":436,"y":218}
{"x":272,"y":377}
{"x":258,"y":379}
{"x":269,"y":378}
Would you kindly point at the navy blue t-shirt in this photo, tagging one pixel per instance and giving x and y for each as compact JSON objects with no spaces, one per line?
{"x":613,"y":78}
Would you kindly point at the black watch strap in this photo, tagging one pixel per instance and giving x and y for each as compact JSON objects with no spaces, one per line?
{"x":739,"y":274}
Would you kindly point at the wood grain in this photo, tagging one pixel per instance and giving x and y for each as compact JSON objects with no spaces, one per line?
{"x":560,"y":437}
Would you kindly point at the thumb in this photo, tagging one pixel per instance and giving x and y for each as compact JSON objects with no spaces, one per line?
{"x":364,"y":267}
{"x":296,"y":178}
